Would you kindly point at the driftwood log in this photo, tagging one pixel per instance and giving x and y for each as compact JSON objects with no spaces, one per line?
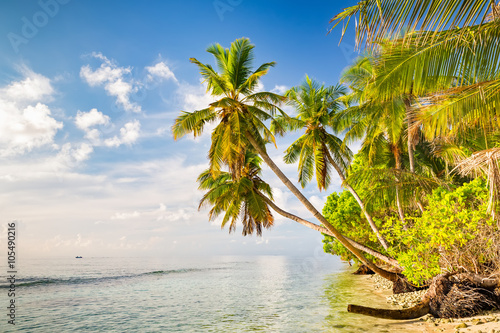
{"x":449,"y":296}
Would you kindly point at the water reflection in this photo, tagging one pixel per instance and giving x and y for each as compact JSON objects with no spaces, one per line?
{"x":345,"y":288}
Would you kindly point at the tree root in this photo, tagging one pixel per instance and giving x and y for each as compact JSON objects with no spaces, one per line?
{"x":449,"y":296}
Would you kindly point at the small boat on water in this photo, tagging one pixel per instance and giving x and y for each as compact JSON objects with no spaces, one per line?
{"x":78,"y":257}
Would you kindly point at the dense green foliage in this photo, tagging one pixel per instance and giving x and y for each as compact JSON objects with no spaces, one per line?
{"x":344,"y":213}
{"x":454,"y":233}
{"x":423,"y":102}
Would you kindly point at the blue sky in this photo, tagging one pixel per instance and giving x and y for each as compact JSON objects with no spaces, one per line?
{"x":88,"y":93}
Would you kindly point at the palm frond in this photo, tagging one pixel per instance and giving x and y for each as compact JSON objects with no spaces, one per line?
{"x":192,"y":122}
{"x":376,"y":19}
{"x":381,"y":185}
{"x":485,"y":163}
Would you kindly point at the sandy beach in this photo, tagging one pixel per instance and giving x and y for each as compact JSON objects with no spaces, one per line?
{"x":489,"y":322}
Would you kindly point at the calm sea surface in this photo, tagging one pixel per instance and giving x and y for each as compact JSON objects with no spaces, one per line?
{"x":221,"y":294}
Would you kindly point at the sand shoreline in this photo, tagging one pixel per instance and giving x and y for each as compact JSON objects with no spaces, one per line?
{"x":488,"y":322}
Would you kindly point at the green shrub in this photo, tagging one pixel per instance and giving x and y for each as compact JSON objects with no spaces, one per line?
{"x":453,"y":233}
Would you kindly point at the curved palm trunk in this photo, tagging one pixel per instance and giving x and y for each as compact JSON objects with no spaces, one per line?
{"x":400,"y":207}
{"x":411,"y":155}
{"x":376,"y":254}
{"x":374,"y":227}
{"x":401,"y":213}
{"x":385,"y":274}
{"x":407,"y":103}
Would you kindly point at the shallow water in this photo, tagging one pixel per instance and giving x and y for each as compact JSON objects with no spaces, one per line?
{"x":223,"y":294}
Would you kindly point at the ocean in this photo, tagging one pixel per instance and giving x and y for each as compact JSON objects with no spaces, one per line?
{"x":213,"y":294}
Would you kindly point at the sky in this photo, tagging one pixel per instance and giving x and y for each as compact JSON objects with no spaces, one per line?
{"x":89,"y":91}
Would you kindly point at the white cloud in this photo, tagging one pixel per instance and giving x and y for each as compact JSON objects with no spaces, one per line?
{"x":22,"y":130}
{"x":84,"y":120}
{"x":94,"y":136}
{"x":70,"y":156}
{"x":112,"y":77}
{"x":280,"y":90}
{"x":129,"y":134}
{"x":194,"y":97}
{"x":161,"y":71}
{"x":25,"y":125}
{"x":59,"y":242}
{"x":113,"y":142}
{"x":318,"y":202}
{"x":34,"y":87}
{"x":125,"y":216}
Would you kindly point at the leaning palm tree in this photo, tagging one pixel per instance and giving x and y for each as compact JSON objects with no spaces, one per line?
{"x":317,"y":150}
{"x":240,"y":113}
{"x":244,"y":198}
{"x":249,"y":199}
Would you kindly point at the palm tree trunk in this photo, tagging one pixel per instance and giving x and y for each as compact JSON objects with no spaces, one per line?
{"x":376,"y":254}
{"x":385,"y":274}
{"x":411,"y":154}
{"x":400,"y":208}
{"x":374,"y":227}
{"x":397,"y":158}
{"x":410,"y":144}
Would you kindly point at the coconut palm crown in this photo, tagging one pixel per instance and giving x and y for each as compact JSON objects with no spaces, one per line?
{"x":243,"y":199}
{"x":240,"y":110}
{"x":317,"y":151}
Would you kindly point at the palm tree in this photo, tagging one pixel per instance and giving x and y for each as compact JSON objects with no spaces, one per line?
{"x":454,"y":72}
{"x":240,"y":109}
{"x":249,"y":199}
{"x":240,"y":113}
{"x":244,"y":198}
{"x":380,"y":122}
{"x":317,"y":150}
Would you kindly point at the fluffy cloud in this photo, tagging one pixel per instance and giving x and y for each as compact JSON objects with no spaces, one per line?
{"x":34,"y":87}
{"x":129,"y":134}
{"x":113,"y":78}
{"x":280,"y":90}
{"x":84,"y":120}
{"x":25,"y":122}
{"x":161,"y":71}
{"x":71,"y":155}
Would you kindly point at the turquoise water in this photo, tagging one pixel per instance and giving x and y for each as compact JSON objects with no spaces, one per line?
{"x":223,"y":294}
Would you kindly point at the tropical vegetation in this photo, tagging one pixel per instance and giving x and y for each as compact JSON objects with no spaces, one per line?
{"x":421,"y":199}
